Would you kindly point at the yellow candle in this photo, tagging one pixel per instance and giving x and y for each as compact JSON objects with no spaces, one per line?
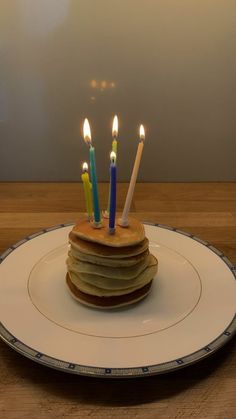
{"x":87,"y":190}
{"x":124,"y":222}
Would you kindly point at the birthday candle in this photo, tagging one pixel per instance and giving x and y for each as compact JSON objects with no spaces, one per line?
{"x":112,"y":213}
{"x":96,"y":207}
{"x":123,"y":222}
{"x":114,"y":148}
{"x":87,"y":190}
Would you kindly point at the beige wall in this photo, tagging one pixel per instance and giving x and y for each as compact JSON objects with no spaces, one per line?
{"x":169,"y":64}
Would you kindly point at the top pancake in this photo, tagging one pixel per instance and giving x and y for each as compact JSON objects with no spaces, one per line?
{"x":123,"y":237}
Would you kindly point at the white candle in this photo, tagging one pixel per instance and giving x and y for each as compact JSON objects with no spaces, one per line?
{"x":124,"y":222}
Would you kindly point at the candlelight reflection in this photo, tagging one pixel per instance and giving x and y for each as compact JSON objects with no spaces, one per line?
{"x":93,"y":84}
{"x":102,"y":84}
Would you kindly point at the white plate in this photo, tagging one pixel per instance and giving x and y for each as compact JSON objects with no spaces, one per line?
{"x":189,"y":314}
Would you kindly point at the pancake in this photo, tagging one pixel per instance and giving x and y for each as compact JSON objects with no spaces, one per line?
{"x":100,"y":250}
{"x":105,"y":261}
{"x":106,"y":270}
{"x":123,"y":237}
{"x":121,"y":273}
{"x":100,"y":286}
{"x":108,"y":302}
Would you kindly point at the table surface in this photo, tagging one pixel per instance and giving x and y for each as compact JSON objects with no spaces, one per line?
{"x":204,"y":390}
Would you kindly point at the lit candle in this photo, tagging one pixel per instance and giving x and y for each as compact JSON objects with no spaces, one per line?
{"x":96,"y":208}
{"x":114,"y":148}
{"x":123,"y":222}
{"x":112,"y":213}
{"x":87,"y":190}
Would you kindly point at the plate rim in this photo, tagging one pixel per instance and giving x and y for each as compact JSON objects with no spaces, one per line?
{"x":132,"y":372}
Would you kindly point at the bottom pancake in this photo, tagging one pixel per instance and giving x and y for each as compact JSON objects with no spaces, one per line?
{"x":108,"y":302}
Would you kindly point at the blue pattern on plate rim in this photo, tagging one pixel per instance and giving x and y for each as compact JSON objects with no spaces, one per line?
{"x":119,"y":372}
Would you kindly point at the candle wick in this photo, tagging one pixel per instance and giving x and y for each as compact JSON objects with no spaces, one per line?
{"x":88,"y":140}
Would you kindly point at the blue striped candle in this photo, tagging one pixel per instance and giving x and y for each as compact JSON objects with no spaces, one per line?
{"x":114,"y":148}
{"x":112,"y":212}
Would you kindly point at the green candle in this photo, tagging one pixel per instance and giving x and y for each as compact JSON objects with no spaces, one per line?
{"x":96,"y":207}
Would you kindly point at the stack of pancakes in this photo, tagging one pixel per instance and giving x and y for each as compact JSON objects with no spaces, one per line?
{"x":108,"y":271}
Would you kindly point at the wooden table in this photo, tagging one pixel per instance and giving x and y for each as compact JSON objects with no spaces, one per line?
{"x":205,"y":390}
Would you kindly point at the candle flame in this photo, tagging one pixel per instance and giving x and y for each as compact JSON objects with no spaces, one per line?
{"x":87,"y":131}
{"x":115,"y":126}
{"x":113,"y":157}
{"x":142,"y":133}
{"x":85,"y":166}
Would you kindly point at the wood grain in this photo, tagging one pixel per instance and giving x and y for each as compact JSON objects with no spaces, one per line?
{"x":205,"y":390}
